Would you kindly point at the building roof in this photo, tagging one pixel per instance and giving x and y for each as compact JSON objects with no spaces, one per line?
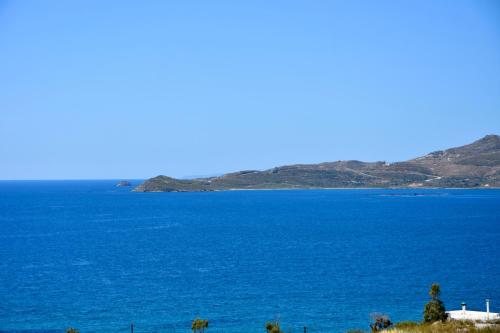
{"x":473,"y":315}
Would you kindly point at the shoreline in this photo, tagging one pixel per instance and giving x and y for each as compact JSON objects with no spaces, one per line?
{"x":326,"y":188}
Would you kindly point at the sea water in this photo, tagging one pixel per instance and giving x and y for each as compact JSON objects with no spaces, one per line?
{"x":89,"y":255}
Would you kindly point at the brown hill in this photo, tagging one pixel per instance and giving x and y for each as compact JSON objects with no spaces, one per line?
{"x":469,"y":166}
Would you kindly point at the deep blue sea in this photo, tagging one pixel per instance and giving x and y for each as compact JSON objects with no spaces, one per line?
{"x":89,"y":255}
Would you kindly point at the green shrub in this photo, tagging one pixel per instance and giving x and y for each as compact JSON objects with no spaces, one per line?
{"x":199,"y":325}
{"x":435,"y":310}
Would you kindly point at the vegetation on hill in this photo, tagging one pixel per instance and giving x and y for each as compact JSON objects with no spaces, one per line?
{"x":469,"y":166}
{"x":443,"y":327}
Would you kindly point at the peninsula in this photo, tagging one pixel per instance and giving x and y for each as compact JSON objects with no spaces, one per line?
{"x":476,"y":165}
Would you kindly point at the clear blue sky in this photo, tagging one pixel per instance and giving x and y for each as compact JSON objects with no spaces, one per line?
{"x":129,"y":89}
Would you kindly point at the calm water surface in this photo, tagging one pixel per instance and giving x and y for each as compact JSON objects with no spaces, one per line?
{"x":96,"y":257}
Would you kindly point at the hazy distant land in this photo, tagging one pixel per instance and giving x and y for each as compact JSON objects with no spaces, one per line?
{"x":476,"y":165}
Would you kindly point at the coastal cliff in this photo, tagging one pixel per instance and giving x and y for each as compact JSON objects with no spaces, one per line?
{"x":471,"y":166}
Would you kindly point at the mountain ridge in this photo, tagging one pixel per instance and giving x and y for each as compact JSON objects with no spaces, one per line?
{"x":473,"y":165}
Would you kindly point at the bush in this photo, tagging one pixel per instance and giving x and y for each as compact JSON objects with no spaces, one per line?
{"x":435,"y":310}
{"x":273,"y":328}
{"x":382,"y":322}
{"x":199,"y":325}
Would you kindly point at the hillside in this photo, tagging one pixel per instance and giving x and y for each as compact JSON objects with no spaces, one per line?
{"x":470,"y":166}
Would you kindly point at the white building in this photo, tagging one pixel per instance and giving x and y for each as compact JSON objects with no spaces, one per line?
{"x":465,"y":314}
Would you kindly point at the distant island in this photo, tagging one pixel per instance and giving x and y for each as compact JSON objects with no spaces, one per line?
{"x":123,"y":183}
{"x":476,"y":165}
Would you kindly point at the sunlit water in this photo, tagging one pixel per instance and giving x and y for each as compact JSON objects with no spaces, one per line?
{"x":96,"y":257}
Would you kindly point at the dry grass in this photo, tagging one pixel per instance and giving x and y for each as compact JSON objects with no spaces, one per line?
{"x":446,"y":327}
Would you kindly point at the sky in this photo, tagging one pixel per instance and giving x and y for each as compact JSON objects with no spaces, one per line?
{"x":127,"y":89}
